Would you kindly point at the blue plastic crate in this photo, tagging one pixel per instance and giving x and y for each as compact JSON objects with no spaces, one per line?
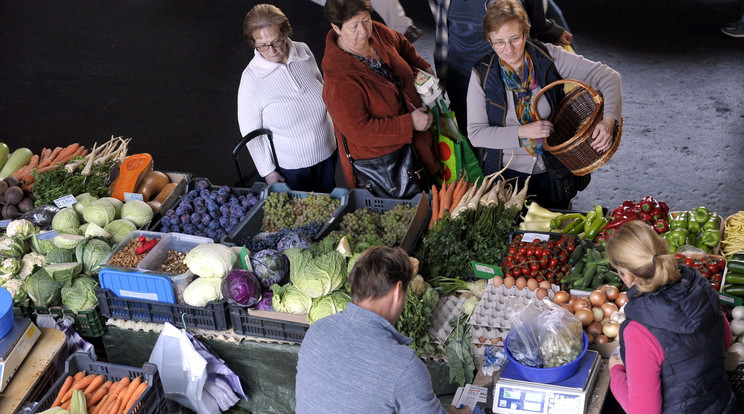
{"x":137,"y":285}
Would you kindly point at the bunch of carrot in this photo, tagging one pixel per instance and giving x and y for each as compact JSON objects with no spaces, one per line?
{"x":45,"y":161}
{"x":446,"y":198}
{"x":101,"y":396}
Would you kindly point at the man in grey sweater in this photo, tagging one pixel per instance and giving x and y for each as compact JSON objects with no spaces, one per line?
{"x":355,"y":361}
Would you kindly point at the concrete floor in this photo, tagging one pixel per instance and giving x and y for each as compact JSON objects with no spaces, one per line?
{"x":166,"y":73}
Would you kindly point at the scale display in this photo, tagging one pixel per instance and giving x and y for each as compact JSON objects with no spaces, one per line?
{"x":515,"y":395}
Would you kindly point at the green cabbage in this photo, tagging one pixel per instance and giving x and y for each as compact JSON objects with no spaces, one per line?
{"x":114,"y":202}
{"x":22,"y":229}
{"x":328,"y":305}
{"x":94,"y":230}
{"x":92,"y":253}
{"x":210,"y":260}
{"x":42,"y":246}
{"x":60,"y":256}
{"x":13,"y":247}
{"x":202,"y":291}
{"x":63,"y":272}
{"x":42,"y":289}
{"x":99,"y":212}
{"x":316,"y":276}
{"x":119,"y":229}
{"x":80,"y":294}
{"x":65,"y":220}
{"x":289,"y":299}
{"x":83,"y":200}
{"x":137,"y":211}
{"x":68,"y":241}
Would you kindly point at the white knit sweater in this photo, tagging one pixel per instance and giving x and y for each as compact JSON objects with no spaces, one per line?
{"x":287,"y":99}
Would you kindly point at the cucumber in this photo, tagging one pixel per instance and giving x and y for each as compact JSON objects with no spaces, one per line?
{"x":735,"y":278}
{"x":19,"y":158}
{"x":735,"y":290}
{"x":4,"y":151}
{"x":738,"y":256}
{"x":577,"y":254}
{"x":589,"y":272}
{"x":736,"y":266}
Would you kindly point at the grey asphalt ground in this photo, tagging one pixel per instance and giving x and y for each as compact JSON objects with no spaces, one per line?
{"x":166,"y":73}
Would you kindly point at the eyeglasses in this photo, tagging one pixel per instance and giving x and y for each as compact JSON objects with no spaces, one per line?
{"x":276,"y":44}
{"x":515,"y":42}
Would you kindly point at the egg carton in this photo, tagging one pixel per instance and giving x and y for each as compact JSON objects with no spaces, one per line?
{"x":484,"y":336}
{"x":445,"y":309}
{"x":493,"y":310}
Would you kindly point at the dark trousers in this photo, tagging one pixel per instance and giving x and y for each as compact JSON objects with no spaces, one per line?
{"x":320,"y":178}
{"x":539,"y":187}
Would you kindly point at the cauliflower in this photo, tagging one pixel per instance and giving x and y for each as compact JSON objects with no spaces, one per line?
{"x":31,"y":262}
{"x":9,"y":267}
{"x":17,"y":289}
{"x":22,"y":229}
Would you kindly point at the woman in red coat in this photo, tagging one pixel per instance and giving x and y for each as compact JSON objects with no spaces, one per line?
{"x":369,"y":72}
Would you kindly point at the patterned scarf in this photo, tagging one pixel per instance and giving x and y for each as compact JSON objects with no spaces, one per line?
{"x":521,"y":87}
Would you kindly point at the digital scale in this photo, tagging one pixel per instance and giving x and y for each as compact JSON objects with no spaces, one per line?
{"x":14,"y":347}
{"x":513,"y":394}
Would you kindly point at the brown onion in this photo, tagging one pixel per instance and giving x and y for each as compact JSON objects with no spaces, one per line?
{"x":567,"y":307}
{"x":594,"y":329}
{"x":601,"y":339}
{"x":582,"y":303}
{"x":585,"y":316}
{"x":609,"y":308}
{"x":611,"y":292}
{"x":561,"y":297}
{"x":590,"y":339}
{"x":597,"y":298}
{"x":611,"y":329}
{"x":598,"y":314}
{"x":572,"y":299}
{"x":622,"y":299}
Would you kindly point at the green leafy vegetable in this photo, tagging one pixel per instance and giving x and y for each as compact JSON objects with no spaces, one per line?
{"x":459,"y":351}
{"x":13,"y":247}
{"x":80,"y":294}
{"x":65,"y":219}
{"x":289,"y":299}
{"x":328,"y":305}
{"x":42,"y":289}
{"x":56,"y":182}
{"x":92,"y":253}
{"x":137,"y":211}
{"x":99,"y":212}
{"x":316,"y":276}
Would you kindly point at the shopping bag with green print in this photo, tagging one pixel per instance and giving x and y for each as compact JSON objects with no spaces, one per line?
{"x":455,"y":153}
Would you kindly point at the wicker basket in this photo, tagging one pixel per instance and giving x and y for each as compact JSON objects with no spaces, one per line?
{"x":573,"y":121}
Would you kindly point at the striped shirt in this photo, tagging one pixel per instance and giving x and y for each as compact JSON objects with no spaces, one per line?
{"x":287,"y":99}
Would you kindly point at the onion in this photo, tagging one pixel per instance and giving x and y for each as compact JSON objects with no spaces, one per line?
{"x":585,"y":316}
{"x":590,"y":339}
{"x":598,"y":314}
{"x":571,"y":299}
{"x":622,"y":299}
{"x":582,"y":303}
{"x":609,"y":308}
{"x":737,"y":312}
{"x":597,"y":298}
{"x":611,"y":292}
{"x":611,"y":329}
{"x":567,"y":307}
{"x":594,"y":329}
{"x":601,"y":339}
{"x":738,"y":349}
{"x":618,"y":317}
{"x":737,"y":327}
{"x":561,"y":297}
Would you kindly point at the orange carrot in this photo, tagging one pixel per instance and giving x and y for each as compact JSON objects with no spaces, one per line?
{"x":65,"y":386}
{"x":96,"y":396}
{"x":64,"y":157}
{"x":135,"y":395}
{"x":114,"y":407}
{"x":66,"y":405}
{"x":97,"y":382}
{"x":63,"y":152}
{"x":130,"y":389}
{"x":460,"y":190}
{"x":434,"y":205}
{"x":442,"y":191}
{"x":97,"y":408}
{"x":53,"y":153}
{"x":78,"y":385}
{"x":447,"y":203}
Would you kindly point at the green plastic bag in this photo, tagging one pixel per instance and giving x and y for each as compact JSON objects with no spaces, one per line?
{"x":455,"y":153}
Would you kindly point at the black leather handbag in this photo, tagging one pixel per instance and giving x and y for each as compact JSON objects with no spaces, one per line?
{"x":396,"y":175}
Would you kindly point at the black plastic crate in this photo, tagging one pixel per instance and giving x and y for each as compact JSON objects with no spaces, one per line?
{"x":256,"y":189}
{"x":215,"y":315}
{"x":251,"y":226}
{"x":152,"y":400}
{"x":360,"y":198}
{"x":89,"y":323}
{"x":244,"y":323}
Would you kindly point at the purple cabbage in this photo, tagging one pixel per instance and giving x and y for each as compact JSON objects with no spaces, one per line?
{"x":241,"y":287}
{"x":270,"y":266}
{"x":266,"y":303}
{"x":303,"y":241}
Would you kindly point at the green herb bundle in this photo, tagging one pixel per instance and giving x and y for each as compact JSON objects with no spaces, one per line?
{"x":57,"y":182}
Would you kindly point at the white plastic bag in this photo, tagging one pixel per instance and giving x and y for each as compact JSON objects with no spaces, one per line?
{"x":183,"y":371}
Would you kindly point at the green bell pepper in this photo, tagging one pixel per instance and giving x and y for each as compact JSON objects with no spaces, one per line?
{"x":701,"y":214}
{"x":672,"y":246}
{"x":678,"y":237}
{"x":704,"y":247}
{"x":710,"y":238}
{"x":693,"y":226}
{"x":713,"y":223}
{"x":691,"y":238}
{"x":678,"y":221}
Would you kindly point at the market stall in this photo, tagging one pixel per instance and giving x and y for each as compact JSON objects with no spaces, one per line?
{"x":123,"y":252}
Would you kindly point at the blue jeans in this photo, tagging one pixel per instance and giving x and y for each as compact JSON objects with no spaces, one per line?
{"x":320,"y":178}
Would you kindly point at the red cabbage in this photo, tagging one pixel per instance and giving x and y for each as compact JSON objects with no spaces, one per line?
{"x":241,"y":287}
{"x":266,"y":303}
{"x":270,"y":266}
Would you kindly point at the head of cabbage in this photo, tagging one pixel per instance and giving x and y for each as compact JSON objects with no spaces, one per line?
{"x":137,"y":211}
{"x":119,"y":229}
{"x":65,"y":220}
{"x":289,"y":299}
{"x":92,"y":254}
{"x":316,"y":276}
{"x":100,"y":212}
{"x":328,"y":305}
{"x":80,"y":294}
{"x":42,"y":289}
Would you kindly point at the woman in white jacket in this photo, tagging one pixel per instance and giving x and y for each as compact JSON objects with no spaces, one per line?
{"x":281,"y":89}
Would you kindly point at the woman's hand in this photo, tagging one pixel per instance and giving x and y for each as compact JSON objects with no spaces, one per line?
{"x":537,"y":129}
{"x":565,"y":39}
{"x":602,"y":135}
{"x":614,"y":361}
{"x":454,"y":410}
{"x":422,"y":119}
{"x":274,"y":177}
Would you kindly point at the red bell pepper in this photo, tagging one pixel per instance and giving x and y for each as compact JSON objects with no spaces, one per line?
{"x":617,"y":222}
{"x":661,"y":226}
{"x":644,"y":216}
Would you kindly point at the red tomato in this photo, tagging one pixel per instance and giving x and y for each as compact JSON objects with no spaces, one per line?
{"x":530,"y":251}
{"x":689,"y":262}
{"x":512,"y":251}
{"x":714,"y":267}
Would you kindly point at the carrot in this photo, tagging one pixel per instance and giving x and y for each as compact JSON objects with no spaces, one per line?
{"x":78,"y":385}
{"x":66,"y":405}
{"x":65,"y":386}
{"x":442,"y":191}
{"x":434,"y":205}
{"x":127,"y":394}
{"x":447,"y":203}
{"x":114,"y":407}
{"x":97,"y":382}
{"x":459,"y":192}
{"x":63,"y":158}
{"x":97,"y":395}
{"x":53,"y":154}
{"x":63,"y":152}
{"x":135,"y":395}
{"x":96,"y":408}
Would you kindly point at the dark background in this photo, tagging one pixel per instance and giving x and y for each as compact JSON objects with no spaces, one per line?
{"x":166,"y":73}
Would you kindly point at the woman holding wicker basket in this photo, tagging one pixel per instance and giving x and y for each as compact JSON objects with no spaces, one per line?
{"x":506,"y":121}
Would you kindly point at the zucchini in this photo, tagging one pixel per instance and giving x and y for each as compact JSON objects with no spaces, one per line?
{"x":20,"y":158}
{"x":736,"y":266}
{"x":735,"y":290}
{"x":577,"y":254}
{"x":738,"y":256}
{"x":589,"y":272}
{"x":4,"y":151}
{"x":735,"y":278}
